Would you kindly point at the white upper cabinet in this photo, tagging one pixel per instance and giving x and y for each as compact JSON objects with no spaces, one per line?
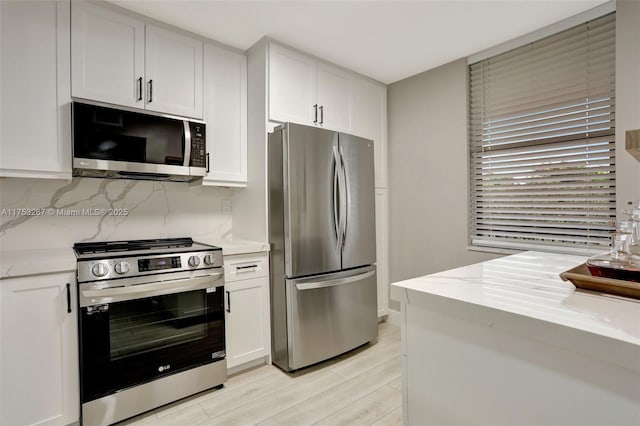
{"x":292,"y":86}
{"x":303,"y":90}
{"x":369,"y":120}
{"x":225,"y":112}
{"x":308,"y":91}
{"x":334,"y":98}
{"x":35,"y":120}
{"x":121,"y":60}
{"x":108,"y":55}
{"x":173,"y":72}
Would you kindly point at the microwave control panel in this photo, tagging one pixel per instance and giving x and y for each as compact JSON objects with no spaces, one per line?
{"x":198,"y":145}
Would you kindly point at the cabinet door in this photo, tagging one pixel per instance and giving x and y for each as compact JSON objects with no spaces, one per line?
{"x":107,"y":55}
{"x":225,"y":112}
{"x":39,"y":341}
{"x":369,"y":120}
{"x":35,"y":120}
{"x":334,"y":98}
{"x":247,"y":320}
{"x":292,"y":86}
{"x":173,"y":72}
{"x":382,"y":250}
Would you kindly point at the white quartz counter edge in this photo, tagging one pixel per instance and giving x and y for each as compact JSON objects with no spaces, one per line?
{"x":528,"y":284}
{"x":17,"y":263}
{"x":237,"y":246}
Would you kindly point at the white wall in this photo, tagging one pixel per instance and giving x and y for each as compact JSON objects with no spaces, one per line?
{"x":428,"y":158}
{"x":156,"y":210}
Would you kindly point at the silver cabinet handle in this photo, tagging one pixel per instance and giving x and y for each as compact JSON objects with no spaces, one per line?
{"x":315,"y":116}
{"x":321,"y":114}
{"x":334,"y":282}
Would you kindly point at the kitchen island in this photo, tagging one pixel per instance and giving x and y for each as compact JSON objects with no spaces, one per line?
{"x":507,"y":342}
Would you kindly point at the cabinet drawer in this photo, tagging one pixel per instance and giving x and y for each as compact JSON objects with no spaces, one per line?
{"x":246,"y":266}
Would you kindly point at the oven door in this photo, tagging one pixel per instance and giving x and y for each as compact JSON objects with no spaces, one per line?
{"x":129,"y":342}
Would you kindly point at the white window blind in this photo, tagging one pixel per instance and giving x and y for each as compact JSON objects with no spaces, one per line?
{"x":542,"y":136}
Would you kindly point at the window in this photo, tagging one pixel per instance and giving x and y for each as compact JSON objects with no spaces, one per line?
{"x":542,"y":143}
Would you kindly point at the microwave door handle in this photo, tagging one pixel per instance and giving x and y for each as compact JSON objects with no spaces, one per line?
{"x":187,"y":143}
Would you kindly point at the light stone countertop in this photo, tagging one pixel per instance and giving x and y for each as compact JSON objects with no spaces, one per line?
{"x":528,"y":284}
{"x":17,"y":263}
{"x":232,"y":246}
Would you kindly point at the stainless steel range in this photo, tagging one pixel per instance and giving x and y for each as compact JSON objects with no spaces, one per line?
{"x":151,"y":322}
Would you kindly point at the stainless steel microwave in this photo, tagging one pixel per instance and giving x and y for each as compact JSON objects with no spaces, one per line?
{"x":115,"y":143}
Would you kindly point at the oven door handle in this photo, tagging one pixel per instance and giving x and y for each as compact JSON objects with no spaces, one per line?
{"x":102,"y":296}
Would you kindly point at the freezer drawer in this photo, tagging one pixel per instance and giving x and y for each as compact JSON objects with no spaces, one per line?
{"x":330,"y":314}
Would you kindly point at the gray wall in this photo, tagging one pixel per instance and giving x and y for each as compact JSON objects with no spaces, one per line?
{"x":627,"y":99}
{"x":428,"y":157}
{"x":428,"y":176}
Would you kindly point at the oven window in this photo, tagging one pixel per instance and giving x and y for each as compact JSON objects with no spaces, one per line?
{"x":144,"y":325}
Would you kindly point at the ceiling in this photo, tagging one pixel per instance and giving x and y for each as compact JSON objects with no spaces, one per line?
{"x":385,"y":40}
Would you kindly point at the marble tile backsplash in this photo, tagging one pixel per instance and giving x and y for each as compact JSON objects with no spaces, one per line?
{"x":38,"y":213}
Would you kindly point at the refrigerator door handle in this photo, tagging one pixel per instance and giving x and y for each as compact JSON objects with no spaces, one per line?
{"x":334,"y":282}
{"x":344,"y":198}
{"x":337,"y":199}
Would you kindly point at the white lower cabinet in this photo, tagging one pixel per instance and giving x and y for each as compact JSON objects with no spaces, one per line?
{"x":247,"y":308}
{"x":39,"y":350}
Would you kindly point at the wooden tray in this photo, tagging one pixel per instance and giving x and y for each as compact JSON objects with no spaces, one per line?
{"x":582,"y":278}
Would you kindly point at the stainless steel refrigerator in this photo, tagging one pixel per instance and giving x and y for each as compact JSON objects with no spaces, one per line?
{"x":323,"y":244}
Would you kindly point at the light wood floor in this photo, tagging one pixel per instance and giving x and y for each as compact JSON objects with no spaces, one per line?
{"x":362,"y":387}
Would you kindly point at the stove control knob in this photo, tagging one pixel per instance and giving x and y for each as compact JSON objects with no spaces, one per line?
{"x":209,"y":259}
{"x":194,"y":261}
{"x":100,"y":269}
{"x":122,"y":268}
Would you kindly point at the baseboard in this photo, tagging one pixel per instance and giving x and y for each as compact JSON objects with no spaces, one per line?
{"x":248,"y":365}
{"x":393,"y":317}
